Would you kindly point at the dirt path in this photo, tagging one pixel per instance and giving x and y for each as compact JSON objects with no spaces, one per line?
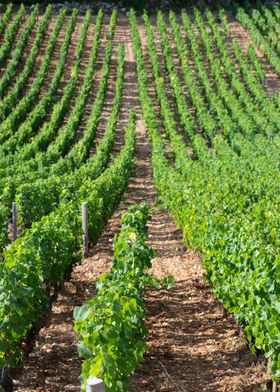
{"x":152,"y":88}
{"x":54,"y":365}
{"x":15,"y":40}
{"x":41,"y":54}
{"x":271,"y":83}
{"x":96,"y":74}
{"x":193,"y":346}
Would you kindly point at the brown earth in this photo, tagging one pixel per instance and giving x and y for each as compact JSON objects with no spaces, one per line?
{"x":193,"y":344}
{"x":271,"y":83}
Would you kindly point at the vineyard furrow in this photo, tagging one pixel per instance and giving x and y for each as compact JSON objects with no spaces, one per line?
{"x":170,"y":92}
{"x":21,"y":35}
{"x":239,"y":88}
{"x":5,"y":18}
{"x":10,"y":34}
{"x":129,"y":98}
{"x":16,"y":55}
{"x":99,"y":113}
{"x":29,"y":125}
{"x":13,"y":116}
{"x":30,"y":67}
{"x":45,"y":104}
{"x":94,"y":166}
{"x":151,"y":90}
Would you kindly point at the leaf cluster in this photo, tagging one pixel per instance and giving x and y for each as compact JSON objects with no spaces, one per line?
{"x":111,"y":325}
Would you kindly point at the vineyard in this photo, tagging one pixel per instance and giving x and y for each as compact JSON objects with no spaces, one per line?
{"x":152,"y":139}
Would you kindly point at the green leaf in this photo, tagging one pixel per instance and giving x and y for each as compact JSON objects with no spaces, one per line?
{"x":168,"y":281}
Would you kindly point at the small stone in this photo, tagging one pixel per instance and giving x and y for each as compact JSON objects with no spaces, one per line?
{"x":55,"y":347}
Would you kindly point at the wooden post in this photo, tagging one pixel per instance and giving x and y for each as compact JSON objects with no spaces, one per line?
{"x":274,"y":385}
{"x":85,"y":227}
{"x":14,"y":213}
{"x":95,"y":385}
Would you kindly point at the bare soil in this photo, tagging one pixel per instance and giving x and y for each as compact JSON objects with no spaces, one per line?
{"x":193,"y":344}
{"x":271,"y":83}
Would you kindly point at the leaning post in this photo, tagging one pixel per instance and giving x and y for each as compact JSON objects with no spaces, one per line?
{"x":14,"y":214}
{"x":85,"y":228}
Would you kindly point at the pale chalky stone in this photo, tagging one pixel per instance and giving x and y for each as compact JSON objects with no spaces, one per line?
{"x":95,"y":385}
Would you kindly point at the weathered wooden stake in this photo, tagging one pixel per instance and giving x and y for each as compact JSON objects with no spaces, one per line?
{"x":85,"y":227}
{"x":95,"y":385}
{"x":14,"y":213}
{"x":274,"y":385}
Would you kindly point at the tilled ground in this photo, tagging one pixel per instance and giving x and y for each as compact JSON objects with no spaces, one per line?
{"x":193,"y":344}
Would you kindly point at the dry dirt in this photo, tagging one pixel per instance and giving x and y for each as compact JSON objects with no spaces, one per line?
{"x":193,"y":345}
{"x":271,"y":83}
